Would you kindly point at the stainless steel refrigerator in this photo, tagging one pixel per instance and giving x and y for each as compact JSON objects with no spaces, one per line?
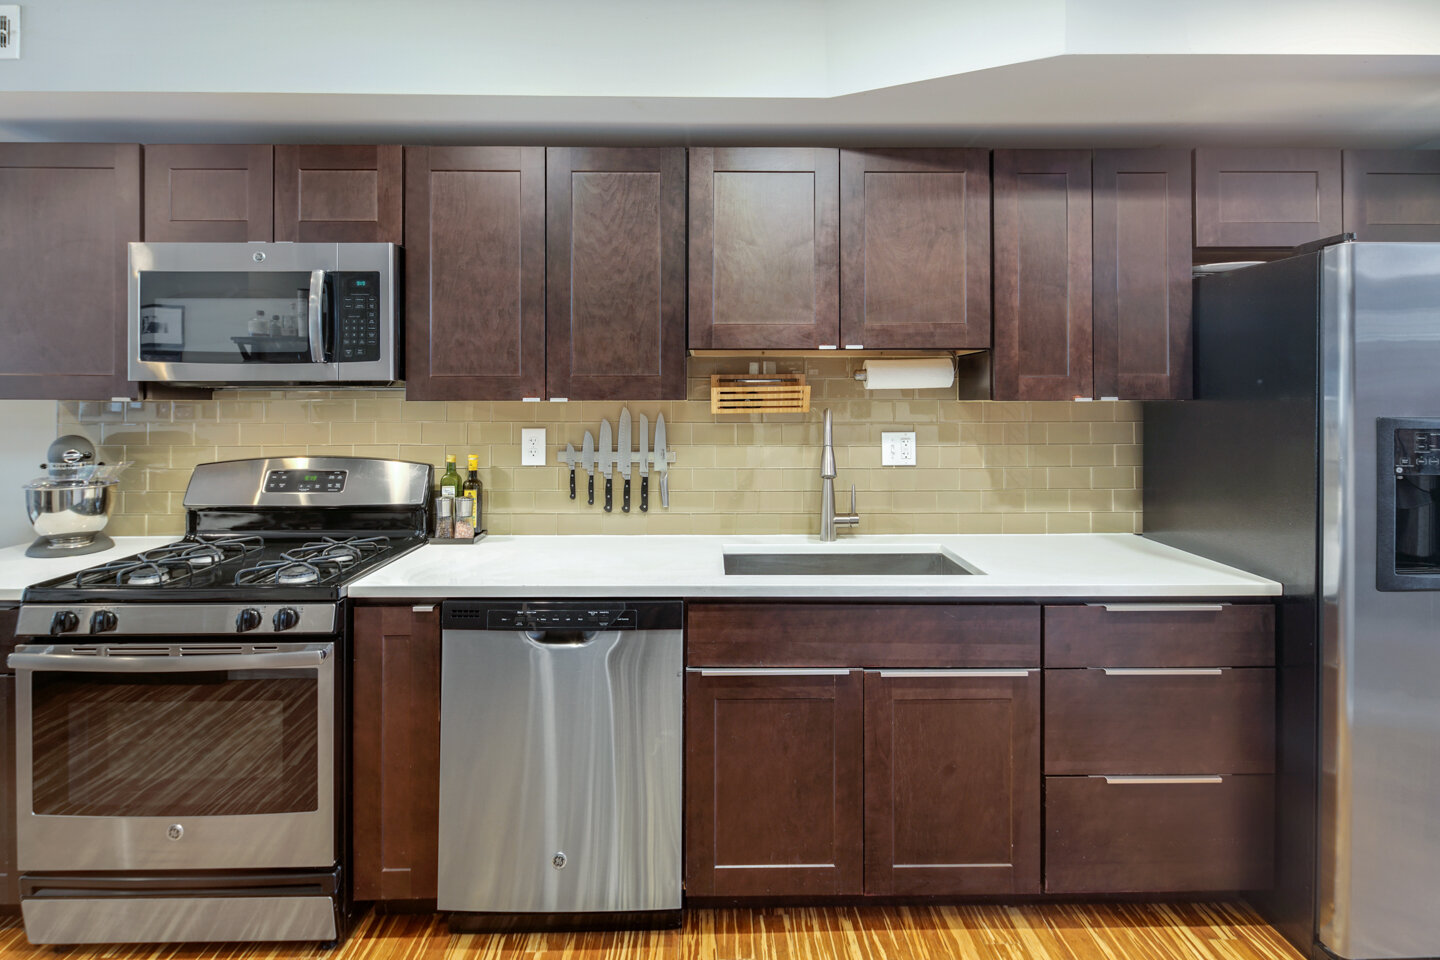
{"x":1311,"y":455}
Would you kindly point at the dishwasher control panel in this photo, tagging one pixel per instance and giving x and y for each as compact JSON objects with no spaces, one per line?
{"x":539,"y":615}
{"x":562,"y":618}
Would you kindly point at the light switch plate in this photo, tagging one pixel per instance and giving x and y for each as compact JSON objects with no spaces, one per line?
{"x":532,"y":446}
{"x":897,"y":448}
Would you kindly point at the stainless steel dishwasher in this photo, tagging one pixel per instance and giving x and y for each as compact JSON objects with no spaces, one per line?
{"x":560,"y":762}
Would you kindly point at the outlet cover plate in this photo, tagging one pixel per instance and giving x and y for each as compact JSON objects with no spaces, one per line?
{"x":897,"y":448}
{"x":532,"y":446}
{"x":9,"y":32}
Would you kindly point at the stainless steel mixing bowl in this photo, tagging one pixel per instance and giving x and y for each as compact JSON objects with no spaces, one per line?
{"x":69,"y":513}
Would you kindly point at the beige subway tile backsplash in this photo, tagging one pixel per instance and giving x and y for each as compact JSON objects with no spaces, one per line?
{"x":982,"y":467}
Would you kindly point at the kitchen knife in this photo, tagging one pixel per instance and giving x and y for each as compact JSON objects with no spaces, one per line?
{"x":623,"y":451}
{"x":644,"y":463}
{"x":587,"y":460}
{"x":570,"y":460}
{"x":661,"y":463}
{"x":607,"y":463}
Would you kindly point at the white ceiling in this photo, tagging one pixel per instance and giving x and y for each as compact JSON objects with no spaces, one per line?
{"x":1022,"y":73}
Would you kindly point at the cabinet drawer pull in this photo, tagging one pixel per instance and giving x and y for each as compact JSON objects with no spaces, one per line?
{"x":1160,"y":607}
{"x":423,"y":608}
{"x":1159,"y":780}
{"x":955,"y":673}
{"x":1163,"y":671}
{"x":770,"y":671}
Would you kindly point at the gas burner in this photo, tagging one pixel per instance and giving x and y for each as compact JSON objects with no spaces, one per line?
{"x":297,"y":573}
{"x":145,"y":575}
{"x":287,"y":571}
{"x":342,"y":554}
{"x":204,"y":555}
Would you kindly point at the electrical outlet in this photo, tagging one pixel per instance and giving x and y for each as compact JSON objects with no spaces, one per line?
{"x":532,"y":446}
{"x":897,"y":449}
{"x":9,"y":32}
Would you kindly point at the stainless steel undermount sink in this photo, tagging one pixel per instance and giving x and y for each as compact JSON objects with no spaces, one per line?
{"x":932,"y":563}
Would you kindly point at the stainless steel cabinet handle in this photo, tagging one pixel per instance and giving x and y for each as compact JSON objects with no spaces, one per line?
{"x":1142,"y":781}
{"x":423,"y":608}
{"x":770,"y":671}
{"x":955,"y":673}
{"x":317,"y":334}
{"x":1160,"y":607}
{"x":1163,"y":671}
{"x":313,"y":656}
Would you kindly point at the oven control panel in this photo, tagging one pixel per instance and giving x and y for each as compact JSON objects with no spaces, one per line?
{"x":187,"y":620}
{"x":305,"y":481}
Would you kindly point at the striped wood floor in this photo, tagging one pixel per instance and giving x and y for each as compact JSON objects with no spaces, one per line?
{"x":1206,"y":931}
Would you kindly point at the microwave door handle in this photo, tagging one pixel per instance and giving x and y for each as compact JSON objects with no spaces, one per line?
{"x":317,"y":332}
{"x":314,"y":655}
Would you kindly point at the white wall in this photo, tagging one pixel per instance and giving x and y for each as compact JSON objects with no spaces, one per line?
{"x":27,"y":427}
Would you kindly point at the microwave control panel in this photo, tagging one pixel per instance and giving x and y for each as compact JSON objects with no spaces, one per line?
{"x":1417,"y":451}
{"x":357,"y":316}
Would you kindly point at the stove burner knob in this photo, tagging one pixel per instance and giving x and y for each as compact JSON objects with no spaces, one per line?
{"x":63,"y":622}
{"x":247,"y":619}
{"x":102,"y":621}
{"x":286,"y":617}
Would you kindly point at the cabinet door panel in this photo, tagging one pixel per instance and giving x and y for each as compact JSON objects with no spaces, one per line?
{"x":616,"y":262}
{"x":475,"y":273}
{"x":773,"y":785}
{"x":331,"y":193}
{"x":764,"y":247}
{"x":1392,"y":194}
{"x":952,"y":784}
{"x":220,"y":193}
{"x":1142,"y":274}
{"x":1043,"y":331}
{"x":395,"y":778}
{"x":1265,"y":197}
{"x":915,"y":244}
{"x":67,"y":211}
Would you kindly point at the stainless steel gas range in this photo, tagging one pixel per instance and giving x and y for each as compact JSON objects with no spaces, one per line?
{"x":181,"y":714}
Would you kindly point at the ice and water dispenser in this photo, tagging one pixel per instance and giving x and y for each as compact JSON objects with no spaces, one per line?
{"x":1408,"y":528}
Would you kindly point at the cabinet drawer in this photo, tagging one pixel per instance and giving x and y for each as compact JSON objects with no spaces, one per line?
{"x":862,"y":635}
{"x":1158,"y":835}
{"x":1160,"y":635}
{"x":1179,"y":721}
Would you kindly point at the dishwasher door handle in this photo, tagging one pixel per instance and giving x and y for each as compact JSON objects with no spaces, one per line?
{"x":561,"y":638}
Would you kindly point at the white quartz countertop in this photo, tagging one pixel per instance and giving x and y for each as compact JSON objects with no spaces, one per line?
{"x":18,"y":571}
{"x":1015,"y":565}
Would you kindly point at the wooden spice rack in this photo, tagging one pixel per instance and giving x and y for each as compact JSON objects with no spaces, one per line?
{"x":759,"y":393}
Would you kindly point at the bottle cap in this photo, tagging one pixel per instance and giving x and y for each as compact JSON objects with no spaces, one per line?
{"x":473,"y":461}
{"x":449,"y":458}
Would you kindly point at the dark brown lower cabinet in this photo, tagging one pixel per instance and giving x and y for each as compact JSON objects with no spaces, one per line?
{"x":395,"y":776}
{"x":952,"y":792}
{"x":773,"y":782}
{"x":1158,"y":834}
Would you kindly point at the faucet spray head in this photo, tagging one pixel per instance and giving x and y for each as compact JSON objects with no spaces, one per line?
{"x":827,"y":453}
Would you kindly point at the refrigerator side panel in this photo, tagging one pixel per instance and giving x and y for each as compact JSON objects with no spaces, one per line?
{"x":1234,"y":475}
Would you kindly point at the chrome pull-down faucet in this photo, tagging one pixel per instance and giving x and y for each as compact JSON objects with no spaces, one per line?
{"x":828,"y":517}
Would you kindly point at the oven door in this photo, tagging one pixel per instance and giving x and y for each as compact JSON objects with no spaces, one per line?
{"x":262,"y":312}
{"x":172,"y":757}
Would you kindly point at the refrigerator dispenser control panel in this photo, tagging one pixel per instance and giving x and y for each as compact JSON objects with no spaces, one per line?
{"x":1417,"y":452}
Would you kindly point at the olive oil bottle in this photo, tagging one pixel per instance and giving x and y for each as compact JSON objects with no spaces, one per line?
{"x":450,"y":480}
{"x":473,"y":489}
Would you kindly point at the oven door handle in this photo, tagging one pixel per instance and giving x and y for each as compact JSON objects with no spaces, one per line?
{"x":312,"y":656}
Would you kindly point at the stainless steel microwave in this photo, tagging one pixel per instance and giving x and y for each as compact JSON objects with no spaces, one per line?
{"x":281,"y":313}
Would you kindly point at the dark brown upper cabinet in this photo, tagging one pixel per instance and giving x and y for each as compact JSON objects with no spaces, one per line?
{"x":1142,"y":274}
{"x":1043,"y":323}
{"x":67,"y":211}
{"x":475,"y":273}
{"x":1265,"y":197}
{"x":773,"y":784}
{"x":915,"y":249}
{"x":1392,"y":194}
{"x":952,"y":791}
{"x":209,"y":192}
{"x":615,"y":245}
{"x":333,"y":193}
{"x":395,"y":783}
{"x":764,"y":248}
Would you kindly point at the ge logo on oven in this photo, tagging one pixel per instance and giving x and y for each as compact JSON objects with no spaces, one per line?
{"x":175,"y":831}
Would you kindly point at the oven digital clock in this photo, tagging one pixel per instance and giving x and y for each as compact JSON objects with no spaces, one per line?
{"x":305,"y":481}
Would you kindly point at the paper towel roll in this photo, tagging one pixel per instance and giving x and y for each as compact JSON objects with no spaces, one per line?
{"x":925,"y":373}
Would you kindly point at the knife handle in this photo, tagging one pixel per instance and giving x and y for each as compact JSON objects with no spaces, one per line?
{"x":590,"y":488}
{"x":609,"y":496}
{"x":645,"y":493}
{"x":625,"y":503}
{"x":572,"y":483}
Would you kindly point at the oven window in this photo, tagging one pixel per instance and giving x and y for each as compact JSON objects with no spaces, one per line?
{"x":219,"y":743}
